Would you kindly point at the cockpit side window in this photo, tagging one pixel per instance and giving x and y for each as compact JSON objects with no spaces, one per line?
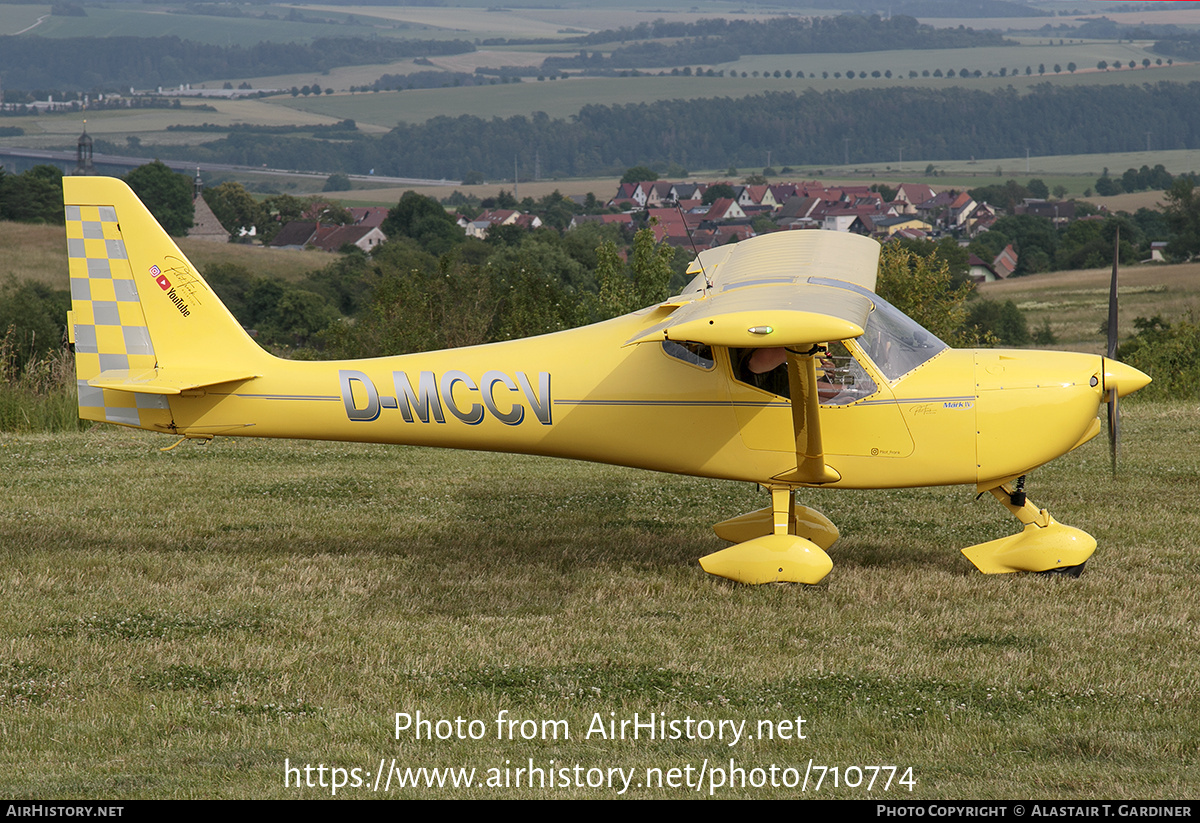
{"x":763,"y":368}
{"x":697,"y":354}
{"x":841,"y":379}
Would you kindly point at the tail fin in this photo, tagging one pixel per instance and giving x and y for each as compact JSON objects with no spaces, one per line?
{"x":144,"y":323}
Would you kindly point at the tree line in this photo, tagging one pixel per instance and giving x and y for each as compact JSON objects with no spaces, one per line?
{"x":819,"y":127}
{"x":107,"y":63}
{"x":721,"y":41}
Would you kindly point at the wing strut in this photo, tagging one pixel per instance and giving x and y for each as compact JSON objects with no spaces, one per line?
{"x":806,"y":420}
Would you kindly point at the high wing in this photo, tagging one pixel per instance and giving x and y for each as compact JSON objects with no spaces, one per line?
{"x":760,"y":294}
{"x":763,"y":295}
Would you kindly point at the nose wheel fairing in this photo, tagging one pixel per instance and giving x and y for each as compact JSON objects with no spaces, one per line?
{"x":1044,"y":545}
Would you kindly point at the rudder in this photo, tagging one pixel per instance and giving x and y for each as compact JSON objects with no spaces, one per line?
{"x":144,"y":323}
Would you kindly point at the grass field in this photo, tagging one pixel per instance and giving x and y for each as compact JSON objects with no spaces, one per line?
{"x":1077,"y":172}
{"x":563,"y":98}
{"x":150,"y":125}
{"x":184,"y":623}
{"x":181,"y":624}
{"x":15,"y":18}
{"x":131,"y":21}
{"x":1075,"y":303}
{"x":40,"y":253}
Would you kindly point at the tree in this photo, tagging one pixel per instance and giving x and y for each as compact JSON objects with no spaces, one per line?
{"x":763,"y":224}
{"x":337,"y":182}
{"x":1183,"y":216}
{"x":233,"y":206}
{"x":1071,"y":67}
{"x":167,"y":194}
{"x":639,"y":174}
{"x":1106,"y":186}
{"x":616,"y":294}
{"x":425,"y":221}
{"x":885,"y":191}
{"x":34,"y":196}
{"x":1003,"y":322}
{"x":32,"y":319}
{"x":1038,"y":188}
{"x":277,"y":211}
{"x":715,"y":192}
{"x":323,"y":210}
{"x":922,"y":287}
{"x":1169,"y":354}
{"x":651,"y":268}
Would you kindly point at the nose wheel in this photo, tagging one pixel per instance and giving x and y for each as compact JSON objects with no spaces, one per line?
{"x":1044,"y":545}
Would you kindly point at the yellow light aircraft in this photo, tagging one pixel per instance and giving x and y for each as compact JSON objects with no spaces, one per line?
{"x":686,"y":386}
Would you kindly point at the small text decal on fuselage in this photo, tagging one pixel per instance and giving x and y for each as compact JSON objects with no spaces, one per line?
{"x":454,"y":392}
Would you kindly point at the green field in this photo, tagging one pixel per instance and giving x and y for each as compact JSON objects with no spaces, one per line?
{"x":1077,"y":172}
{"x":14,"y":18}
{"x":40,"y":253}
{"x":180,"y":624}
{"x":1075,"y":303}
{"x":563,"y":98}
{"x":221,"y":31}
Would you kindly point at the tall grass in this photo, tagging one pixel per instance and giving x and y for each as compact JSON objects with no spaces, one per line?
{"x":38,"y":395}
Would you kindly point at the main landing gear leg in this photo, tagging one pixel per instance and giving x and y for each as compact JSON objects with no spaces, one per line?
{"x":781,"y":544}
{"x":1044,"y":545}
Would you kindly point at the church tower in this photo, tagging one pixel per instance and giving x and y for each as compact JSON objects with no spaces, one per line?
{"x":83,"y":154}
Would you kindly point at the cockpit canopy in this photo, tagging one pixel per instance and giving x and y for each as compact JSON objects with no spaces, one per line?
{"x":894,"y":342}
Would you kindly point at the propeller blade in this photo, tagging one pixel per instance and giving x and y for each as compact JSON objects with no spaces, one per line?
{"x":1112,"y":299}
{"x":1114,"y":427}
{"x":1114,"y":414}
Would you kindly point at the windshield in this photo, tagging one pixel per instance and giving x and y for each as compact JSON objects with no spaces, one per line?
{"x":896,"y":343}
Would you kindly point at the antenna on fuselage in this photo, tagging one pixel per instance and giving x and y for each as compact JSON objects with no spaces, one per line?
{"x":703,"y":273}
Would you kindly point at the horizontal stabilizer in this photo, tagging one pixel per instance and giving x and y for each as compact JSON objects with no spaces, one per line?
{"x":165,"y":380}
